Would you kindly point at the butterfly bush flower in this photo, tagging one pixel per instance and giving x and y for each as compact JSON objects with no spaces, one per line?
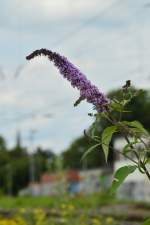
{"x":87,"y":90}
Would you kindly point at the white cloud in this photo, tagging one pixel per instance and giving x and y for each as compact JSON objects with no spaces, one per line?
{"x":46,"y":11}
{"x":110,"y":49}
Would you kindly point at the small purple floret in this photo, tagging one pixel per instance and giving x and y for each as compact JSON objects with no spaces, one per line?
{"x":87,"y":90}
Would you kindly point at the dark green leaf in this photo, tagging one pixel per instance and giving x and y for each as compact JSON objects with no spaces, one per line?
{"x":90,"y":150}
{"x":139,"y":127}
{"x":120,"y":176}
{"x":146,"y":222}
{"x":78,"y":101}
{"x":106,"y":138}
{"x":124,"y":102}
{"x":147,"y":161}
{"x":117,"y":107}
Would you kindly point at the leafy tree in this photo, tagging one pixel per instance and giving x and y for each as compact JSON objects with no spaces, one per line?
{"x":15,"y":166}
{"x":139,"y":106}
{"x":73,"y":155}
{"x":44,"y":161}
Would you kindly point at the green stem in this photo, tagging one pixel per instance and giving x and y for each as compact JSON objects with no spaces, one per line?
{"x":145,"y":169}
{"x":141,"y":163}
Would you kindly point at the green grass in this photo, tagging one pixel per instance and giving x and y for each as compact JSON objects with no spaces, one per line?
{"x":90,"y":201}
{"x":72,"y":210}
{"x":85,"y":202}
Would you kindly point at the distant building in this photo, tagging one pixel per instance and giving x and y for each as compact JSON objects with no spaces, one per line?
{"x":73,"y":182}
{"x":73,"y":179}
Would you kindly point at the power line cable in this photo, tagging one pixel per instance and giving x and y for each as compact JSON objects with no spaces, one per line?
{"x":89,"y":21}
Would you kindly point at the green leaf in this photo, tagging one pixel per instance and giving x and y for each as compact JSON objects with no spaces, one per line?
{"x":125,"y":101}
{"x":120,"y":176}
{"x":93,"y":129}
{"x":117,"y":106}
{"x":139,"y":127}
{"x":146,"y":222}
{"x":78,"y":101}
{"x":147,"y":161}
{"x":106,"y":138}
{"x":90,"y":150}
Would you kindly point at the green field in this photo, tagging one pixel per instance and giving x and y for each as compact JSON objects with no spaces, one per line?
{"x":97,"y":209}
{"x":90,"y":201}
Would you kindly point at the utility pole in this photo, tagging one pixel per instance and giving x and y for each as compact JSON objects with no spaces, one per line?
{"x":32,"y":133}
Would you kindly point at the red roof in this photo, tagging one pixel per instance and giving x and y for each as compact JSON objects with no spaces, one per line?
{"x":48,"y":178}
{"x":73,"y":175}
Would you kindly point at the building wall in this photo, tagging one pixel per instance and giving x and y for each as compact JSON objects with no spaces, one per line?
{"x":136,"y":186}
{"x":91,"y":181}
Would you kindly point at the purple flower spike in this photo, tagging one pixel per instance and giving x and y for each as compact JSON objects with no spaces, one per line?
{"x":87,"y":90}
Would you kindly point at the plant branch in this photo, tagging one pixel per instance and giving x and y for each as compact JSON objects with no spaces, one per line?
{"x":140,"y":161}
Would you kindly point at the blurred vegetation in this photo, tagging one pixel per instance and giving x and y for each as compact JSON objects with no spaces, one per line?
{"x":15,"y":163}
{"x":138,"y":109}
{"x":82,"y":201}
{"x":94,"y":209}
{"x":15,"y":166}
{"x":55,"y":210}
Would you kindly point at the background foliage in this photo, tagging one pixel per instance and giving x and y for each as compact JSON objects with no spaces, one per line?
{"x":15,"y":162}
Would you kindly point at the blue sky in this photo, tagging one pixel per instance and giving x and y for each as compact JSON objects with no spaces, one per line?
{"x":107,"y":40}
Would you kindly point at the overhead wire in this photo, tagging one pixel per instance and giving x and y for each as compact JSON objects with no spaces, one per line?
{"x":68,"y":36}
